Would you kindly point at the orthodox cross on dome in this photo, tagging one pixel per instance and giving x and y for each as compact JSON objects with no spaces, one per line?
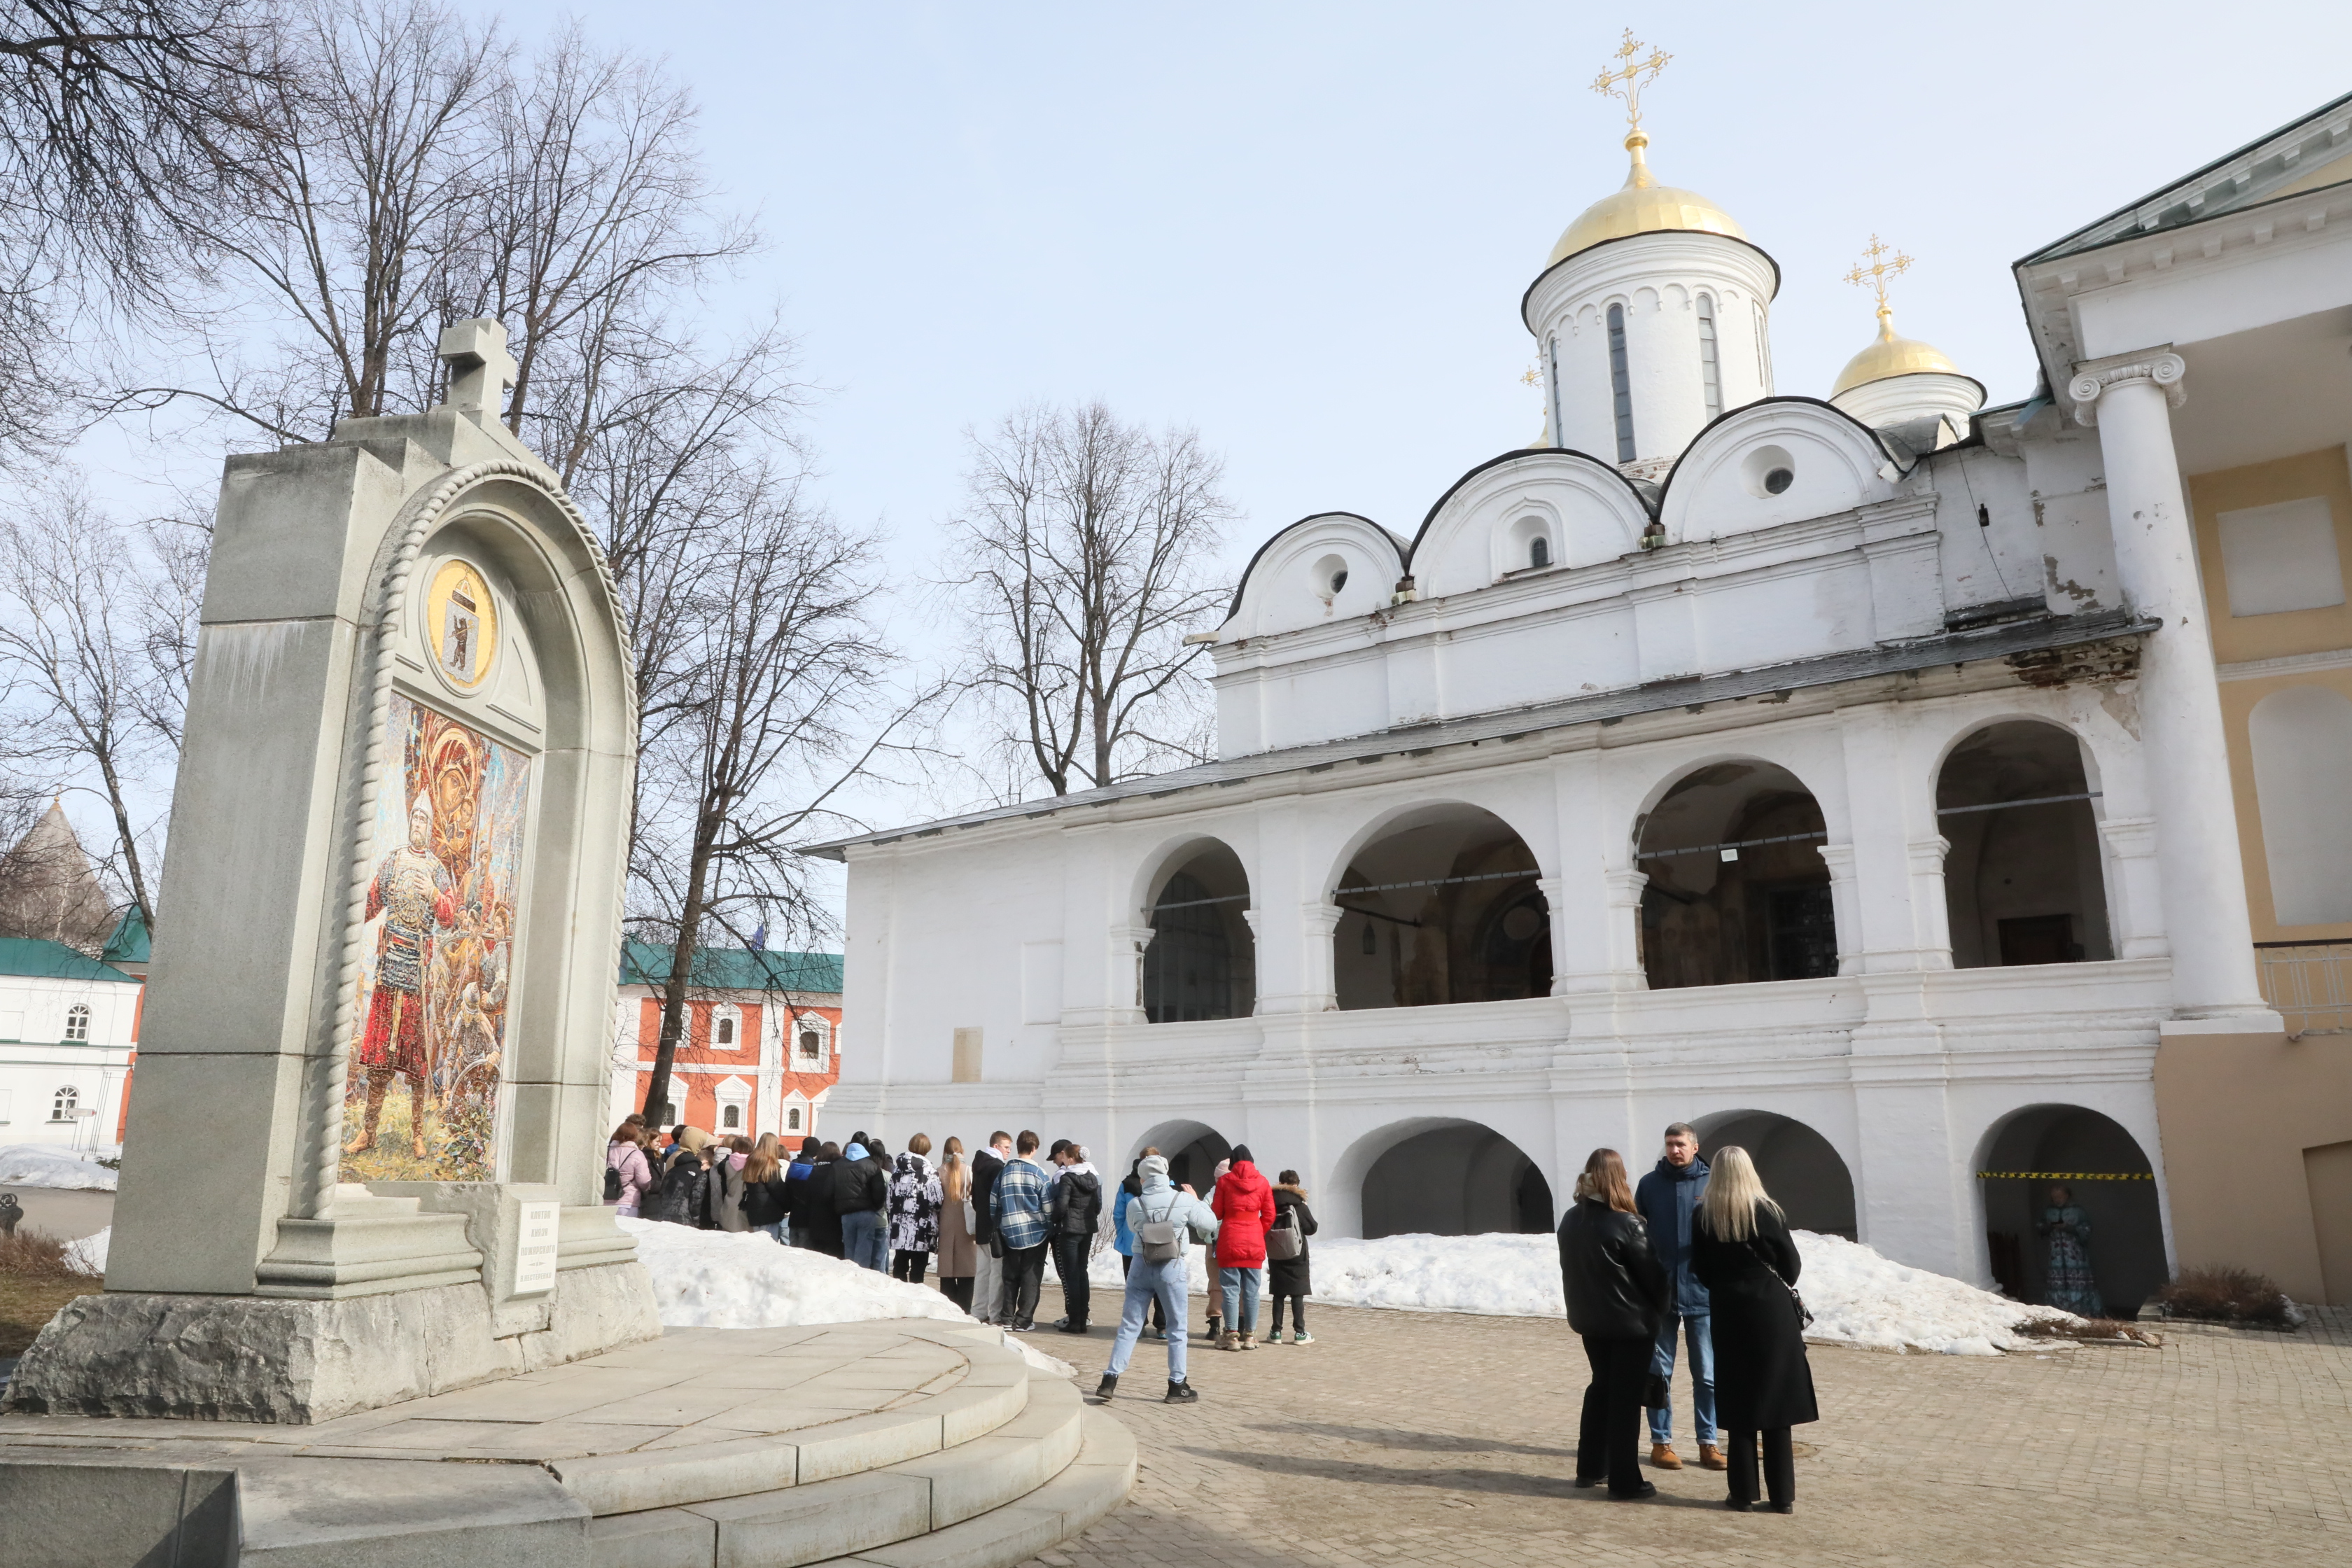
{"x":1632,"y":73}
{"x":1872,"y":271}
{"x":480,"y":369}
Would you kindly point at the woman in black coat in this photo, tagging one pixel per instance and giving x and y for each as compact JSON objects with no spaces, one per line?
{"x":1741,"y":1251}
{"x":1615,"y":1288}
{"x":1287,"y":1279}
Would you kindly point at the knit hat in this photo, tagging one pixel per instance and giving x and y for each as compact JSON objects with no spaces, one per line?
{"x":1153,"y":1169}
{"x":695,"y":1138}
{"x":1241,"y":1152}
{"x":854,"y":1151}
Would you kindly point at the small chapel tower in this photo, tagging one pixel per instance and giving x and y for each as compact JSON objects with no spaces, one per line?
{"x":1902,"y":381}
{"x":1651,"y":311}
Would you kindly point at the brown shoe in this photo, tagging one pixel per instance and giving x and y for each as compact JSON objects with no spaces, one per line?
{"x":1710,"y":1457}
{"x":1661,"y":1456}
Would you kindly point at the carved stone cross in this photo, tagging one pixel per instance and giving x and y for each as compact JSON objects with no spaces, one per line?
{"x":480,"y":369}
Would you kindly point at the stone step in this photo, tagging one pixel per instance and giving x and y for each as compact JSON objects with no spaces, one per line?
{"x":859,"y":1513}
{"x":994,"y":1390}
{"x":1096,"y":1482}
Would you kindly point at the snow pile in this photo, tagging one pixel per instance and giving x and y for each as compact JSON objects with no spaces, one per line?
{"x":46,"y":1166}
{"x":719,"y":1279}
{"x":1862,"y":1299}
{"x":89,"y":1253}
{"x":1856,"y":1296}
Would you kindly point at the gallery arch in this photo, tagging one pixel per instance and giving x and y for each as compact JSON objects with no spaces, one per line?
{"x":1442,"y":906}
{"x":1801,"y":1170}
{"x":1192,"y":1150}
{"x":2065,"y":1187}
{"x":1737,"y":889}
{"x":1201,"y":962}
{"x":1449,"y":1177}
{"x":2023,"y":882}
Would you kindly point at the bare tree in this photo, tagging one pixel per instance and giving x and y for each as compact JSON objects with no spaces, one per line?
{"x":1083,"y":560}
{"x":768,"y":709}
{"x":76,"y":656}
{"x":113,"y":119}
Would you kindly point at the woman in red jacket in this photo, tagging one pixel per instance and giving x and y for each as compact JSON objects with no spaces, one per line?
{"x":1243,"y":1205}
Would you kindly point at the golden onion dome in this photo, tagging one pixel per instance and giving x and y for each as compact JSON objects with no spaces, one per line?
{"x":1891,"y":355}
{"x":1642,"y":205}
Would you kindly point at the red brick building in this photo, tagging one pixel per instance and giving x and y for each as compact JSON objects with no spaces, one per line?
{"x":761,"y":1047}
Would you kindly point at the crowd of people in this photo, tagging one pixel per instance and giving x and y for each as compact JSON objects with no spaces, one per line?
{"x":1697,"y":1252}
{"x":987,"y":1221}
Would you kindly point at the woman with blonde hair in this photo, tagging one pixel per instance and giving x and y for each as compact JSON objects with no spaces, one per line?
{"x":1615,"y":1288}
{"x":766,"y":1205}
{"x":959,"y":1257}
{"x":1743,"y":1254}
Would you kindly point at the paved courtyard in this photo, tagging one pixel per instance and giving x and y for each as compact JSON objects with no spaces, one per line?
{"x":1414,"y":1438}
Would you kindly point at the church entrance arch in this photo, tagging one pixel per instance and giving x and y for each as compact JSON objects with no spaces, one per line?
{"x":1737,"y":889}
{"x":1201,"y":962}
{"x":2023,"y":882}
{"x":1446,"y":1176}
{"x":2038,"y":1163}
{"x":1440,"y":906}
{"x":1802,"y":1169}
{"x":1192,"y":1150}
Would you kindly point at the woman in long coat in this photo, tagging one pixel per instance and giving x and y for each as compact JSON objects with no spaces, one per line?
{"x":1742,"y":1252}
{"x":915,"y":1199}
{"x":958,"y":1258}
{"x":1289,"y":1279}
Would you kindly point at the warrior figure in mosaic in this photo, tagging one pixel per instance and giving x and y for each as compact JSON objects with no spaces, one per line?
{"x":416,"y":895}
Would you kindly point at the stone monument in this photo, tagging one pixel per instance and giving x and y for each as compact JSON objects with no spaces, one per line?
{"x":364,"y":1162}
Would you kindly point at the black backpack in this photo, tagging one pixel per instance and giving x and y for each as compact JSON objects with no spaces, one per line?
{"x":612,"y":1184}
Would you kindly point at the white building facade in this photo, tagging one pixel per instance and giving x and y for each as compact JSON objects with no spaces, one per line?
{"x":69,"y":1029}
{"x":1848,"y":778}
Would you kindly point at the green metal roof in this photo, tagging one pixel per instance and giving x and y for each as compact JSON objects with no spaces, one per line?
{"x":45,"y":959}
{"x":128,"y":942}
{"x":735,"y":969}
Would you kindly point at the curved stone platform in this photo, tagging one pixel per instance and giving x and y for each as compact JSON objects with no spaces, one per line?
{"x":900,"y":1443}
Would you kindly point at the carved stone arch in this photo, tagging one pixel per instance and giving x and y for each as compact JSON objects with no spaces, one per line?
{"x":1778,"y":460}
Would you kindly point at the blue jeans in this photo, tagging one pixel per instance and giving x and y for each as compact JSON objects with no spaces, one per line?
{"x":1240,"y":1288}
{"x":1698,"y":1335}
{"x":865,"y":1240}
{"x":775,"y":1232}
{"x":1148,"y":1281}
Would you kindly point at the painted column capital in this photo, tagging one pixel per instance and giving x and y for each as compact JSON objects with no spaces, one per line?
{"x":2161,"y":368}
{"x":1928,"y":854}
{"x":1322,"y":919}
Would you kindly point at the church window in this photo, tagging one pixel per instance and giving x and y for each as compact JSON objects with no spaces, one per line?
{"x":1539,"y":551}
{"x":78,"y":1021}
{"x":1339,"y":580}
{"x":730,"y":1117}
{"x":722,"y":1033}
{"x":61,"y":1108}
{"x":1709,"y":368}
{"x":1621,"y":386}
{"x":1778,"y":479}
{"x":793,"y":1118}
{"x":810,"y":1045}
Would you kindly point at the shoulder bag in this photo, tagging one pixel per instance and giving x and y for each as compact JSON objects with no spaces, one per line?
{"x":1285,"y":1241}
{"x":1804,"y":1314}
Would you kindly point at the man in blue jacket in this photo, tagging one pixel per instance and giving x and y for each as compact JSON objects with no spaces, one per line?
{"x":1668,"y":1198}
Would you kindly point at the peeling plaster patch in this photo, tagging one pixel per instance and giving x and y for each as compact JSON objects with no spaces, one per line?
{"x":2067,"y":585}
{"x":2099,"y":663}
{"x":2121,"y":701}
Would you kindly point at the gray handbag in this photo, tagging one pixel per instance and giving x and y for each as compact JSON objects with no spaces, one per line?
{"x":1285,"y":1241}
{"x":1158,"y":1240}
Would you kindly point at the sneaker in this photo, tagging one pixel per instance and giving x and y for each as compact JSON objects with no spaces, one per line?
{"x":1024,"y":1327}
{"x":1229,"y":1342}
{"x":1302,"y":1338}
{"x":1182,"y":1394}
{"x":1249,"y":1342}
{"x":1663,"y":1456}
{"x":1108,"y":1386}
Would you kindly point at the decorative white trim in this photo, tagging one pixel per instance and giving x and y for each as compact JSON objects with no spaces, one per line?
{"x":2286,"y":664}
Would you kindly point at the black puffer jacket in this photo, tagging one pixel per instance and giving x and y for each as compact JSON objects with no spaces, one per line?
{"x":1615,"y":1285}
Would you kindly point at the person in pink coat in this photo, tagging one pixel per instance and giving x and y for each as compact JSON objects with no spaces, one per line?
{"x":1243,"y":1205}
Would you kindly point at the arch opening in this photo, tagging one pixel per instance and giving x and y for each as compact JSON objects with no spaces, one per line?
{"x":1442,"y":907}
{"x":2023,"y":881}
{"x":1201,"y":960}
{"x":1737,"y":889}
{"x":2125,"y":1246}
{"x":1455,"y":1178}
{"x":1192,"y":1150}
{"x":1802,"y":1169}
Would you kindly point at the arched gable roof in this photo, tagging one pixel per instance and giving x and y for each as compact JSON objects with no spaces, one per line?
{"x":1594,"y":514}
{"x":1273,"y":594}
{"x":1715,"y":488}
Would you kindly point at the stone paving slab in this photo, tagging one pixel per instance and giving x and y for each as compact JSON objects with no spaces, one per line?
{"x":1430,"y":1438}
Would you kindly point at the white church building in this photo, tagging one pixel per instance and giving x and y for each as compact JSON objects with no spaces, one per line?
{"x":1895,"y":785}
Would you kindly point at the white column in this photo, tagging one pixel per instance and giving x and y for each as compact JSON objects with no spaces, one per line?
{"x":2203,"y":884}
{"x":1592,"y":935}
{"x":1845,"y":905}
{"x":1931,"y":910}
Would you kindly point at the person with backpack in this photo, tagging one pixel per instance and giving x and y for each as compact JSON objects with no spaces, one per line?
{"x":1076,"y":1211}
{"x":682,"y":1189}
{"x":1166,"y":1221}
{"x":1243,"y":1205}
{"x":628,"y":1174}
{"x":1122,"y":1235}
{"x":1287,"y":1278}
{"x":823,"y":1217}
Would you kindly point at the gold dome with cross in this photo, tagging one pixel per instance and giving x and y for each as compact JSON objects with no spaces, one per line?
{"x":1890,"y":355}
{"x":1640,"y":206}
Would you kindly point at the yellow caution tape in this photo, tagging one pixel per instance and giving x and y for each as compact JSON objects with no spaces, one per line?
{"x":2066,"y":1175}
